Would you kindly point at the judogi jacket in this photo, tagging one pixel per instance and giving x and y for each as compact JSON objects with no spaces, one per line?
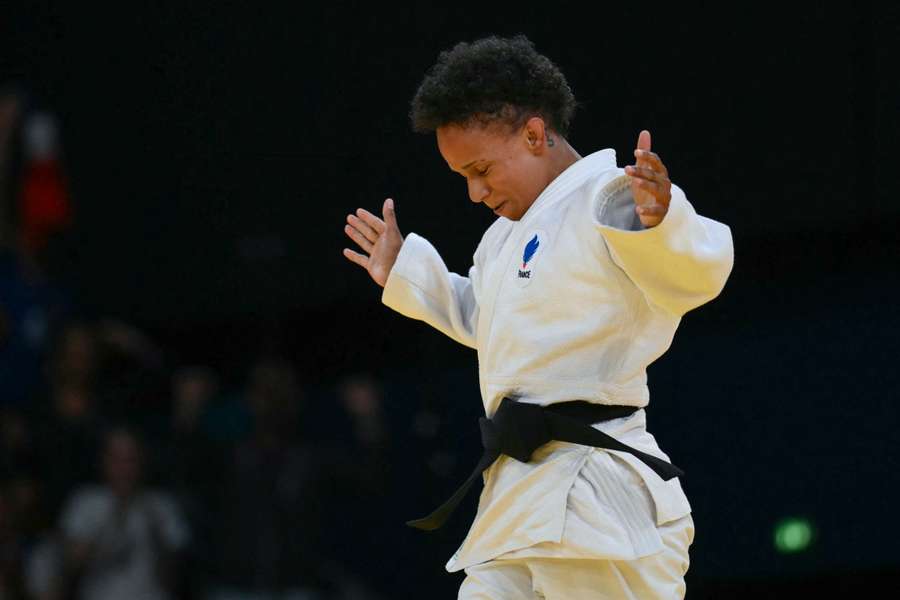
{"x":571,"y":302}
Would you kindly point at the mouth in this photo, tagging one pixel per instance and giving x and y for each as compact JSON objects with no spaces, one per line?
{"x":497,"y":208}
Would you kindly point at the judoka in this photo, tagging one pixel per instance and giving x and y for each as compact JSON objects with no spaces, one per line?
{"x":574,"y":290}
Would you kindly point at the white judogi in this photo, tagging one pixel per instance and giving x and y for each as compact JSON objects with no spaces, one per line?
{"x":572,"y":302}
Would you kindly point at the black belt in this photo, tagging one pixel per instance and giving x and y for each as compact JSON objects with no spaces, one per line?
{"x":518,"y":429}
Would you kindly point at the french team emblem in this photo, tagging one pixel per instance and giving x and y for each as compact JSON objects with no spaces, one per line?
{"x":530,"y":248}
{"x":533,"y":249}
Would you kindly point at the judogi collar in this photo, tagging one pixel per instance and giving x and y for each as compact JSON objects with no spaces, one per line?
{"x":569,"y":179}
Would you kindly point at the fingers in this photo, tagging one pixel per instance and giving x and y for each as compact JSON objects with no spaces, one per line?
{"x":656,"y":190}
{"x":648,"y":174}
{"x":358,"y":224}
{"x":650,"y":216}
{"x":650,"y":160}
{"x":365,"y":229}
{"x":357,"y":258}
{"x":649,"y":182}
{"x":370,"y":225}
{"x":648,"y":193}
{"x":646,"y":158}
{"x":651,"y":210}
{"x":644,"y":140}
{"x":644,"y":181}
{"x":390,"y":217}
{"x":646,"y":184}
{"x":371,"y":220}
{"x":355,"y":235}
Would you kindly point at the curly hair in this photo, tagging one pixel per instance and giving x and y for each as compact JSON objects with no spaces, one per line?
{"x":492,"y":80}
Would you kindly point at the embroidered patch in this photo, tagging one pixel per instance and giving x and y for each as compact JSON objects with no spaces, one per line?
{"x":534,"y":247}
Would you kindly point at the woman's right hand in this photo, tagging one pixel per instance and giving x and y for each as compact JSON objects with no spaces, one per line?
{"x":379,"y":239}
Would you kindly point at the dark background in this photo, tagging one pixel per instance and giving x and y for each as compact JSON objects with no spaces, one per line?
{"x":214,"y":149}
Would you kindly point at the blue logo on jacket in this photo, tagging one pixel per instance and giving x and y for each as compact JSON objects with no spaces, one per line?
{"x":530,"y":248}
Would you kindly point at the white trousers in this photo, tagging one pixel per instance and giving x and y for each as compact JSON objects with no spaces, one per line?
{"x":658,"y":577}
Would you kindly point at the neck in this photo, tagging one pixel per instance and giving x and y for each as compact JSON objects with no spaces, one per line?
{"x":563,"y":156}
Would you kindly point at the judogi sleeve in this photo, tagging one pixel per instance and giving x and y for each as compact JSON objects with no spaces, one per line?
{"x":421,"y":287}
{"x":680,"y":263}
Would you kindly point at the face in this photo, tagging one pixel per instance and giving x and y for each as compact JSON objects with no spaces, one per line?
{"x":122,"y":463}
{"x":504,"y":170}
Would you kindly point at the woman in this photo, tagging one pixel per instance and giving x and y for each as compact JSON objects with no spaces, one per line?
{"x":577,"y":286}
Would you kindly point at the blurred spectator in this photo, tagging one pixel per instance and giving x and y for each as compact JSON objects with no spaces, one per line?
{"x":44,"y":207}
{"x":360,"y":397}
{"x":359,"y":469}
{"x":121,"y":540}
{"x":192,"y":390}
{"x":74,"y":362}
{"x":271,"y":527}
{"x":194,"y":469}
{"x":29,"y":304}
{"x":366,"y":460}
{"x":192,"y":458}
{"x":70,"y":424}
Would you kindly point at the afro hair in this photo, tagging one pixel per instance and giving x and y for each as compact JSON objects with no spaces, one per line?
{"x":492,"y":80}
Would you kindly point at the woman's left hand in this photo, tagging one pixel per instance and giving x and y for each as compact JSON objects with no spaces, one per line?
{"x":650,"y":183}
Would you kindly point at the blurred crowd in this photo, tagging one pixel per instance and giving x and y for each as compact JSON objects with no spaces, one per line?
{"x":125,"y":476}
{"x":114,"y":486}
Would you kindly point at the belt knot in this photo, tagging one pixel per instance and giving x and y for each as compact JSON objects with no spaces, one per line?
{"x":517,"y":429}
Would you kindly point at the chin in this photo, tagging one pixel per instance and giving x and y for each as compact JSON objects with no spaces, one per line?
{"x":504,"y":211}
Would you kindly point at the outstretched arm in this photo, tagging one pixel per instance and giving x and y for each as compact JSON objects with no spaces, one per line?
{"x":416,"y":282}
{"x":679,"y":259}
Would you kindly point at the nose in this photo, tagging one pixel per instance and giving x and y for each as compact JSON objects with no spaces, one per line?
{"x":478,"y":191}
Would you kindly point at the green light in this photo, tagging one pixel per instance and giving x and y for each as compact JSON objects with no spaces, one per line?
{"x":793,"y":535}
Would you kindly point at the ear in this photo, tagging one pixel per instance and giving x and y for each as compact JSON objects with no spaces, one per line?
{"x":534,"y":135}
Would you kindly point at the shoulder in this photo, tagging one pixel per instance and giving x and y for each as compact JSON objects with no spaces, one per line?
{"x":90,"y":497}
{"x":602,"y":196}
{"x":85,"y":510}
